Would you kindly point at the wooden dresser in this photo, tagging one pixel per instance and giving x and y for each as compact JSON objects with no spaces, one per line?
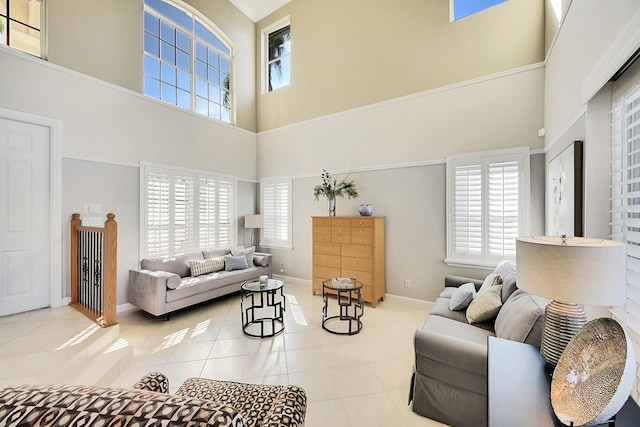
{"x":350,"y":247}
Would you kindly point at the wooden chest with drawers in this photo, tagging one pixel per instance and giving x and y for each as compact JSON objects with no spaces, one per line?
{"x":350,"y":247}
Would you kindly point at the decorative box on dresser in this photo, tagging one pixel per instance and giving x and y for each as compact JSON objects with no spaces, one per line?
{"x":350,"y":247}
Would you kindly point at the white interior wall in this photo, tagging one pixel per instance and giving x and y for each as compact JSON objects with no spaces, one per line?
{"x":106,"y":132}
{"x":396,"y":151}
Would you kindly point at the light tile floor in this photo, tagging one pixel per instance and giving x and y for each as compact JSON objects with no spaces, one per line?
{"x":351,"y":381}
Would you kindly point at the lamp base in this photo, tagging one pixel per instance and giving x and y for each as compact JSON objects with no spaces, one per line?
{"x":562,"y":321}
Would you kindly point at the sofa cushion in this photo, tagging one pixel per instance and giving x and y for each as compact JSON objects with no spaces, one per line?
{"x":248,"y":253}
{"x":521,"y":318}
{"x":485,"y":306}
{"x":178,"y":265}
{"x":205,"y":266}
{"x":235,"y":262}
{"x":462,"y":296}
{"x":507,"y":270}
{"x":194,"y":286}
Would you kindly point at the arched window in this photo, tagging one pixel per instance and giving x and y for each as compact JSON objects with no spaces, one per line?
{"x":187,"y":62}
{"x":21,"y":24}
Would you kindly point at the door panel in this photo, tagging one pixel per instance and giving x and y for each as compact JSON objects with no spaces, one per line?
{"x":24,"y":217}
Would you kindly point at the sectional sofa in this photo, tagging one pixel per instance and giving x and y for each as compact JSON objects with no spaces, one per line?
{"x":449,"y":382}
{"x":163,"y":285}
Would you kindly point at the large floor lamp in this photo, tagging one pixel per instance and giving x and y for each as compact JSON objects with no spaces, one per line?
{"x":569,"y":271}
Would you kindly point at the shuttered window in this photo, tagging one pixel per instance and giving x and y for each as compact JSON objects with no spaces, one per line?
{"x":183,"y":211}
{"x":486,"y":206}
{"x":625,"y":212}
{"x":276,"y":212}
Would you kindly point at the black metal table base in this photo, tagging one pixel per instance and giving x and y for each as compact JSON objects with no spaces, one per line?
{"x":351,"y":309}
{"x":263,"y":301}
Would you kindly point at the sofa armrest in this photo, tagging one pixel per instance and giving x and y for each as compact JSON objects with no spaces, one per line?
{"x":289,"y":408}
{"x":148,"y":289}
{"x":450,"y":350}
{"x":153,"y":381}
{"x":456,"y":281}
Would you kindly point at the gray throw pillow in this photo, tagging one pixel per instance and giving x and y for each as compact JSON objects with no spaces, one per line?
{"x":521,"y":318}
{"x":462,"y":296}
{"x":260,"y":260}
{"x":248,"y":253}
{"x":235,"y":262}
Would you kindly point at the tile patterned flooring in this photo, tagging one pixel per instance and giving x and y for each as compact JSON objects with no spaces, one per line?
{"x":351,"y":381}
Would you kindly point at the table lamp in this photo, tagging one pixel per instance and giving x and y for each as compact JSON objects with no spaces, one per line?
{"x":253,"y":221}
{"x":569,"y":271}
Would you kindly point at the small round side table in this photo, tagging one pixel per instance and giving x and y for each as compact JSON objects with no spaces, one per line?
{"x":264,"y":315}
{"x":350,"y":307}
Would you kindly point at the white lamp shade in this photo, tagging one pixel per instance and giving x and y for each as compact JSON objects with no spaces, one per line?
{"x":578,"y":270}
{"x":253,"y":221}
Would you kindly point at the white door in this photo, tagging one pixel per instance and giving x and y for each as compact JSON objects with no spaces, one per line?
{"x":24,"y":216}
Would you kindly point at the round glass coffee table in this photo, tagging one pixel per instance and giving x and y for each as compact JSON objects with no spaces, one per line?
{"x":350,"y":306}
{"x":263,"y":316}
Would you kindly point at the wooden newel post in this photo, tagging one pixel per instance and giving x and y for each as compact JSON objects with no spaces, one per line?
{"x":110,"y":269}
{"x":75,"y":259}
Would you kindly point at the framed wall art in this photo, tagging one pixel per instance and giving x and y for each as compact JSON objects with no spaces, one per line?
{"x":565,"y":192}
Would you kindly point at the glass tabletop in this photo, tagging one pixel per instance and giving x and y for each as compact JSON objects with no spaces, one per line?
{"x":271,"y":285}
{"x":342,"y":283}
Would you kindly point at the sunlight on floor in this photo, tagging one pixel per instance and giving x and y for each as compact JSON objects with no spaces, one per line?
{"x":172,"y":340}
{"x":296,"y":310}
{"x":80,"y":337}
{"x":201,"y":328}
{"x":119,"y":344}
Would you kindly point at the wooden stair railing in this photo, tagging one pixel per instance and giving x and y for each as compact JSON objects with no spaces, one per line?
{"x":94,"y":270}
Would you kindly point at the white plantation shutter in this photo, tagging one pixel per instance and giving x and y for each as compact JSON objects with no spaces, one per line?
{"x":276,"y":212}
{"x":625,"y":207}
{"x":158,"y":193}
{"x":226,"y":213}
{"x":184,"y":211}
{"x":468,"y":211}
{"x":486,"y":206}
{"x":503,"y":208}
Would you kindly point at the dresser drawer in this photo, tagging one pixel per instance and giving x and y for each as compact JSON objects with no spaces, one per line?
{"x":321,"y":221}
{"x":326,"y":248}
{"x":323,"y":272}
{"x":340,"y":222}
{"x":362,"y":235}
{"x":357,"y":251}
{"x":362,"y":222}
{"x":322,"y":234}
{"x":365,"y":277}
{"x":359,"y":264}
{"x":326,"y":260}
{"x":340,"y":235}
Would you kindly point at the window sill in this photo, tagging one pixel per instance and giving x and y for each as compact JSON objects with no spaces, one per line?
{"x":454,"y":262}
{"x":276,"y":246}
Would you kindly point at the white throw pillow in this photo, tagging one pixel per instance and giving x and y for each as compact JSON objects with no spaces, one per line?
{"x":485,"y":306}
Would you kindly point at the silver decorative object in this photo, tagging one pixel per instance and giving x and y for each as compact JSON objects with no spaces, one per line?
{"x":366,"y":209}
{"x":597,"y":366}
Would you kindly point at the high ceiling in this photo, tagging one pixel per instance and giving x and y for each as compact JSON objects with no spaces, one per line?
{"x":258,"y":9}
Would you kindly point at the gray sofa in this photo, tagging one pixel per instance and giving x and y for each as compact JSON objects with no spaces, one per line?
{"x":449,"y":382}
{"x":163,"y":285}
